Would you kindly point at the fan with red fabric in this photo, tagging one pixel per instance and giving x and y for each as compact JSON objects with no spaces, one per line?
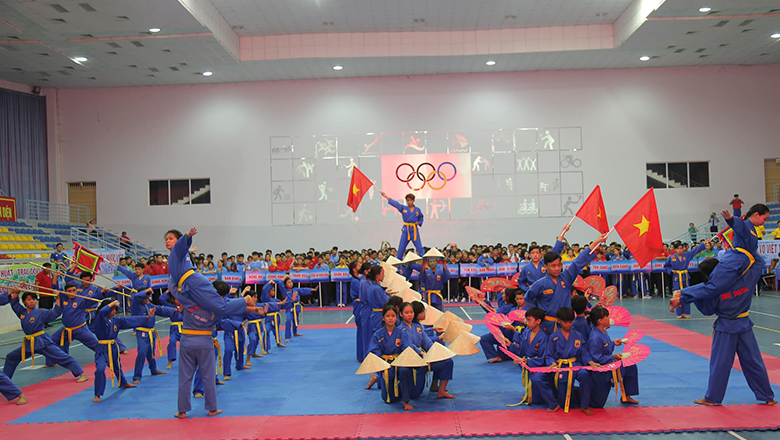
{"x":594,"y":285}
{"x":609,"y":367}
{"x":632,"y":337}
{"x":608,"y":296}
{"x":514,"y":280}
{"x":619,"y":316}
{"x":517,"y":315}
{"x":495,"y":322}
{"x":634,"y":354}
{"x":479,"y":298}
{"x":495,"y":284}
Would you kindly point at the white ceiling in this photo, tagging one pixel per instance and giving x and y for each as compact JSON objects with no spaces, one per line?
{"x":36,"y":46}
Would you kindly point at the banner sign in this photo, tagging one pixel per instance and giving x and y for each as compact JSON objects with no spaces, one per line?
{"x":7,"y":209}
{"x":159,"y":281}
{"x":769,"y":249}
{"x":506,"y":269}
{"x":255,"y":277}
{"x":232,"y":278}
{"x":340,"y":275}
{"x":18,"y":272}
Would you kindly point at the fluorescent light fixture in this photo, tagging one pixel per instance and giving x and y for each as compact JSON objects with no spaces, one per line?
{"x":705,"y":9}
{"x":154,"y":30}
{"x":644,"y":58}
{"x":337,"y":67}
{"x":207,"y":73}
{"x":490,"y":63}
{"x":80,"y":59}
{"x":775,"y":35}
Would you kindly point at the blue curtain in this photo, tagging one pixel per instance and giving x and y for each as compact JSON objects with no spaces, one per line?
{"x":24,"y":166}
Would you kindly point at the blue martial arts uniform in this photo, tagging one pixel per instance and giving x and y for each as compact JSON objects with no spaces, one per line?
{"x":678,"y":266}
{"x":413,"y":220}
{"x":357,"y":311}
{"x":255,"y":331}
{"x":365,"y":313}
{"x":533,"y":348}
{"x":416,"y":337}
{"x":8,"y":389}
{"x":74,"y":325}
{"x":582,"y":326}
{"x":95,"y":292}
{"x":376,"y":298}
{"x":551,"y":295}
{"x":146,"y":336}
{"x":37,"y":341}
{"x":293,"y":309}
{"x":388,"y":346}
{"x":600,"y":349}
{"x":745,"y":236}
{"x":728,"y":294}
{"x":174,"y":334}
{"x":531,"y":273}
{"x":107,"y":353}
{"x":202,"y":308}
{"x":570,"y":352}
{"x":272,"y":320}
{"x":489,"y":343}
{"x":234,"y":349}
{"x":432,"y":283}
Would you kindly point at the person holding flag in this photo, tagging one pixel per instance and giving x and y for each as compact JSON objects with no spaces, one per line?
{"x":413,"y":220}
{"x":640,"y":230}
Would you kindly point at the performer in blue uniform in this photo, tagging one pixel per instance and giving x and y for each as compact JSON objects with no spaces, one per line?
{"x":513,"y":299}
{"x":146,"y":336}
{"x":535,"y":270}
{"x":293,"y":306}
{"x":366,"y":311}
{"x":413,"y":220}
{"x":600,"y":349}
{"x":8,"y":389}
{"x":174,"y":333}
{"x":677,"y":265}
{"x":553,"y":291}
{"x":255,"y":327}
{"x":531,"y":345}
{"x":728,"y":293}
{"x":433,"y":278}
{"x":107,"y":327}
{"x":357,"y":309}
{"x":416,"y":337}
{"x":387,"y":343}
{"x":203,"y":306}
{"x":74,"y":322}
{"x":566,"y":348}
{"x":272,"y":315}
{"x":376,"y":297}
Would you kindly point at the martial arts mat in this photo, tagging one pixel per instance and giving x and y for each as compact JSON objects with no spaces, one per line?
{"x":308,"y":390}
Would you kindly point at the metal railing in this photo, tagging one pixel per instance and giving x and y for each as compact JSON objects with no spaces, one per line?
{"x":702,"y":233}
{"x":98,"y":238}
{"x":776,"y":192}
{"x":2,"y":193}
{"x":57,"y":212}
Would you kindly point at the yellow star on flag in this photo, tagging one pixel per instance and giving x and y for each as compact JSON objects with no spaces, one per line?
{"x":643,"y":226}
{"x":599,"y":214}
{"x":355,"y":189}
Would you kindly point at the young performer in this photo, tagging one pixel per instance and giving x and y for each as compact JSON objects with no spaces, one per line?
{"x":174,"y":334}
{"x":677,"y":264}
{"x":553,"y":291}
{"x":234,"y":349}
{"x":255,"y":330}
{"x":531,"y":346}
{"x":600,"y":349}
{"x":580,"y":304}
{"x":293,"y":306}
{"x":745,"y":235}
{"x":387,"y":343}
{"x":413,"y":220}
{"x":488,"y":342}
{"x":107,"y":327}
{"x":146,"y":336}
{"x":376,"y":297}
{"x":272,"y":315}
{"x":35,"y":338}
{"x":728,"y":293}
{"x":357,"y":309}
{"x":433,"y":277}
{"x":416,"y":337}
{"x":566,"y":348}
{"x":534,"y":271}
{"x":74,"y":322}
{"x":10,"y":391}
{"x":202,"y":308}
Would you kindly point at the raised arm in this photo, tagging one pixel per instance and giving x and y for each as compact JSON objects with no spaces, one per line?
{"x":559,"y":241}
{"x":394,"y":204}
{"x":129,"y":274}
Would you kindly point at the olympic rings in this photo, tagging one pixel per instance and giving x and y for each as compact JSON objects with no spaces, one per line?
{"x":435,"y":171}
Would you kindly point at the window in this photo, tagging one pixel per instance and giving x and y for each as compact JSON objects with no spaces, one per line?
{"x":179,"y":192}
{"x":678,"y":175}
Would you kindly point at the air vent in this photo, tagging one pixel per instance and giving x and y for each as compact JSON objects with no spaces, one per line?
{"x":43,"y":54}
{"x":9,"y":47}
{"x":773,"y":11}
{"x":87,"y":7}
{"x":744,"y":31}
{"x":165,"y":50}
{"x":154,"y":69}
{"x":69,"y":68}
{"x":122,"y":18}
{"x":57,"y":20}
{"x":87,"y":35}
{"x":691,"y":32}
{"x":63,"y":72}
{"x":44,"y":80}
{"x":150,"y":75}
{"x":722,"y":23}
{"x":765,"y":53}
{"x":111,"y":53}
{"x":91,"y":77}
{"x":670,"y":47}
{"x":59,"y":8}
{"x":114,"y":45}
{"x":703,"y":56}
{"x":182,"y":64}
{"x":43,"y":73}
{"x":700,"y":50}
{"x":679,"y":51}
{"x":137,"y":44}
{"x":724,"y":45}
{"x":16,"y":69}
{"x":12,"y":37}
{"x":132,"y":66}
{"x":174,"y":68}
{"x":746,"y":22}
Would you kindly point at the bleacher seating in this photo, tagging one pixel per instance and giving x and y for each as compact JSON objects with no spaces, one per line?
{"x":22,"y":241}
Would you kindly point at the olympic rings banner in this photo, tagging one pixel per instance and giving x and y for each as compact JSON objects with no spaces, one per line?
{"x":427,"y":176}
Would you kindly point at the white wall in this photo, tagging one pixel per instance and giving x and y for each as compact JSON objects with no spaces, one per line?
{"x":122,"y":137}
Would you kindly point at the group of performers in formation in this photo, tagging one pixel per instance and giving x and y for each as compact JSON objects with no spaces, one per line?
{"x":561,"y":329}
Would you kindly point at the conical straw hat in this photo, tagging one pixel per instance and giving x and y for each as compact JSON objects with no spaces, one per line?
{"x":389,"y":277}
{"x":409,"y":358}
{"x":453,"y":330}
{"x":471,"y":337}
{"x":388,"y":267}
{"x":443,"y":321}
{"x":432,"y":314}
{"x":371,"y":364}
{"x":398,"y":285}
{"x":392,"y":260}
{"x":462,"y":346}
{"x":433,"y":253}
{"x":409,"y":295}
{"x":437,"y":353}
{"x":411,"y":257}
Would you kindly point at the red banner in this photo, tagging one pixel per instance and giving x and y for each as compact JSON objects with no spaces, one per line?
{"x":7,"y":209}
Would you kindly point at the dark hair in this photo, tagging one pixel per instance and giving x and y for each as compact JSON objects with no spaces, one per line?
{"x":26,"y":294}
{"x":758,"y":208}
{"x":176,"y":233}
{"x":373,"y":272}
{"x":579,"y":303}
{"x":250,"y":293}
{"x":395,"y":301}
{"x":387,"y":308}
{"x":240,"y":255}
{"x":565,"y":314}
{"x":534,"y":248}
{"x":85,"y":275}
{"x":69,"y":285}
{"x":409,"y":196}
{"x":536,"y":313}
{"x":222,"y":287}
{"x":59,"y":244}
{"x":140,"y":266}
{"x":403,"y":306}
{"x":105,"y":302}
{"x":549,"y":257}
{"x":597,"y":313}
{"x":352,"y":266}
{"x":364,"y":268}
{"x":706,"y":267}
{"x":418,"y":308}
{"x":510,"y":297}
{"x":677,"y":245}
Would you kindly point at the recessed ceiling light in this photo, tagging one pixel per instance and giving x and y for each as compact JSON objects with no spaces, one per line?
{"x":776,"y":35}
{"x":154,"y":30}
{"x":327,"y":23}
{"x":80,"y":59}
{"x":419,"y":20}
{"x":705,"y":9}
{"x":602,"y":14}
{"x":207,"y":73}
{"x":644,"y":58}
{"x":337,"y":67}
{"x":510,"y":17}
{"x":237,"y":27}
{"x":490,"y":63}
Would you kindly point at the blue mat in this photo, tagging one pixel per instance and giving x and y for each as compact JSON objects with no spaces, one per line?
{"x":314,"y":375}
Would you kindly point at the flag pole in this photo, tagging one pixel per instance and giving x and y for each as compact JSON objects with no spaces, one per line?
{"x":84,"y":268}
{"x":78,"y":279}
{"x":44,"y":293}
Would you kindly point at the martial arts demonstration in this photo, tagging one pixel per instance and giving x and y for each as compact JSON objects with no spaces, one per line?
{"x":546,"y":324}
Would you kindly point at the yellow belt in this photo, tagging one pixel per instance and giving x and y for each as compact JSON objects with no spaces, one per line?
{"x":31,"y":338}
{"x":276,"y":325}
{"x":151,"y":333}
{"x":70,"y":334}
{"x":617,"y":378}
{"x":680,"y":274}
{"x":177,"y":324}
{"x":259,"y":332}
{"x":235,"y":337}
{"x":219,"y":355}
{"x":409,"y":234}
{"x":438,"y":292}
{"x":744,"y":315}
{"x":377,"y":310}
{"x":356,"y":299}
{"x":90,"y":314}
{"x":184,"y":277}
{"x":390,"y":358}
{"x":187,"y":331}
{"x":561,"y":363}
{"x":750,"y":257}
{"x":109,"y":343}
{"x":552,"y":318}
{"x":295,"y":313}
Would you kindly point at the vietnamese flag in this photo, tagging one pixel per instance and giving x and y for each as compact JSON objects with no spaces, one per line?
{"x":357,"y":188}
{"x":641,"y":230}
{"x":592,"y":211}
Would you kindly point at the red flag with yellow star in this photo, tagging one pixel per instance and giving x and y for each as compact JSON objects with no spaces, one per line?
{"x":592,"y":211}
{"x":357,"y":188}
{"x":641,"y":230}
